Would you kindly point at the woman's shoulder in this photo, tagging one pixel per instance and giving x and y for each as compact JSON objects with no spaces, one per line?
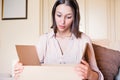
{"x":44,"y":38}
{"x":46,"y":35}
{"x":85,"y":37}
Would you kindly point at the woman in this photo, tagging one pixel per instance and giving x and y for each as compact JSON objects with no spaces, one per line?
{"x":66,"y":43}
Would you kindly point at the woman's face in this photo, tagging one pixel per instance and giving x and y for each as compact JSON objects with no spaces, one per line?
{"x":64,"y":18}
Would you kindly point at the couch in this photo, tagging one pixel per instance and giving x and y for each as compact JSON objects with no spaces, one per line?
{"x":108,"y":61}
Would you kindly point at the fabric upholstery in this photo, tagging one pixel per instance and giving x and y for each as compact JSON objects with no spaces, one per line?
{"x":108,"y":61}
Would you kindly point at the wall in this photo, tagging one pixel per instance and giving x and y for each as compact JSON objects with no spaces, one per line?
{"x":14,"y":32}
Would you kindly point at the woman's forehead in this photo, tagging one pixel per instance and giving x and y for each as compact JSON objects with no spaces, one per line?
{"x":64,"y":9}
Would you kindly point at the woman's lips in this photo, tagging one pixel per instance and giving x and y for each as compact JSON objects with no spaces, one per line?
{"x":61,"y":27}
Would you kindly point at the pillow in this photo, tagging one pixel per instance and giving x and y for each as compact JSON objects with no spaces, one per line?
{"x":108,"y":61}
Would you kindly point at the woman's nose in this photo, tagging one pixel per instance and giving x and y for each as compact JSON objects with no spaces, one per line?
{"x":63,"y":20}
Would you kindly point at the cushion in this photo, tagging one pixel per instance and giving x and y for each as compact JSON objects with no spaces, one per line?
{"x":108,"y":61}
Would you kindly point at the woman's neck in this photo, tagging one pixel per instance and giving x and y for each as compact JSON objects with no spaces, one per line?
{"x":63,"y":34}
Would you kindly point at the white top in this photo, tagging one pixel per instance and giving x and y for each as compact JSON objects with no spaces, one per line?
{"x":49,"y":50}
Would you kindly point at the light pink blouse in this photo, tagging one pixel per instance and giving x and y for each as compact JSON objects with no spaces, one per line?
{"x":49,"y":51}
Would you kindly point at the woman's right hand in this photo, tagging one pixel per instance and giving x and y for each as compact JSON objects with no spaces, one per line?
{"x":18,"y":68}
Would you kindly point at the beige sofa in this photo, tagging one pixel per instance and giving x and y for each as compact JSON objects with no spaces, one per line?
{"x":108,"y":61}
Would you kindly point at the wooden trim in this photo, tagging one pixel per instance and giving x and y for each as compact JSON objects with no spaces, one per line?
{"x":41,"y":17}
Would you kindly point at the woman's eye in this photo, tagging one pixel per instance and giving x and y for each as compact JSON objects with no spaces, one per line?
{"x":69,"y":17}
{"x":58,"y":15}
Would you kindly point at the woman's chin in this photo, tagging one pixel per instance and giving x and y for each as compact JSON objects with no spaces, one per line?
{"x":61,"y":30}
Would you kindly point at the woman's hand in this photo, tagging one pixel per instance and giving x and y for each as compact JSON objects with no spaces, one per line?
{"x":18,"y":68}
{"x":84,"y":71}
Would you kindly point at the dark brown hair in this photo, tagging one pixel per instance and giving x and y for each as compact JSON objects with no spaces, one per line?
{"x":75,"y":25}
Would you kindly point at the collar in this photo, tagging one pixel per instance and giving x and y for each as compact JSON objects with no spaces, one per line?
{"x":52,"y":34}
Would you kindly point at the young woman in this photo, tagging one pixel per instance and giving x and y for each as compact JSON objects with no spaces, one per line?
{"x":65,"y":44}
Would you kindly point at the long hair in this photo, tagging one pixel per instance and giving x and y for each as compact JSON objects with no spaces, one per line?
{"x":75,"y":7}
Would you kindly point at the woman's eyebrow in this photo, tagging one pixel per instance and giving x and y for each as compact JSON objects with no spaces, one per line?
{"x":61,"y":13}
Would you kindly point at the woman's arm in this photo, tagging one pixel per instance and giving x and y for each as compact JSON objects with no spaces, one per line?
{"x":89,"y":66}
{"x":92,"y":60}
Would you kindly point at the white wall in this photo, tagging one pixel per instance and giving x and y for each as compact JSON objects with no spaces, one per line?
{"x":14,"y":32}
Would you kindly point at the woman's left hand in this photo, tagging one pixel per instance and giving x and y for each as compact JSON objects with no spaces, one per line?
{"x":83,"y":69}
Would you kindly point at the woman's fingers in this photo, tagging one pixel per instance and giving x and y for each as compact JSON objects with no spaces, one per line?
{"x":82,"y":69}
{"x":18,"y":68}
